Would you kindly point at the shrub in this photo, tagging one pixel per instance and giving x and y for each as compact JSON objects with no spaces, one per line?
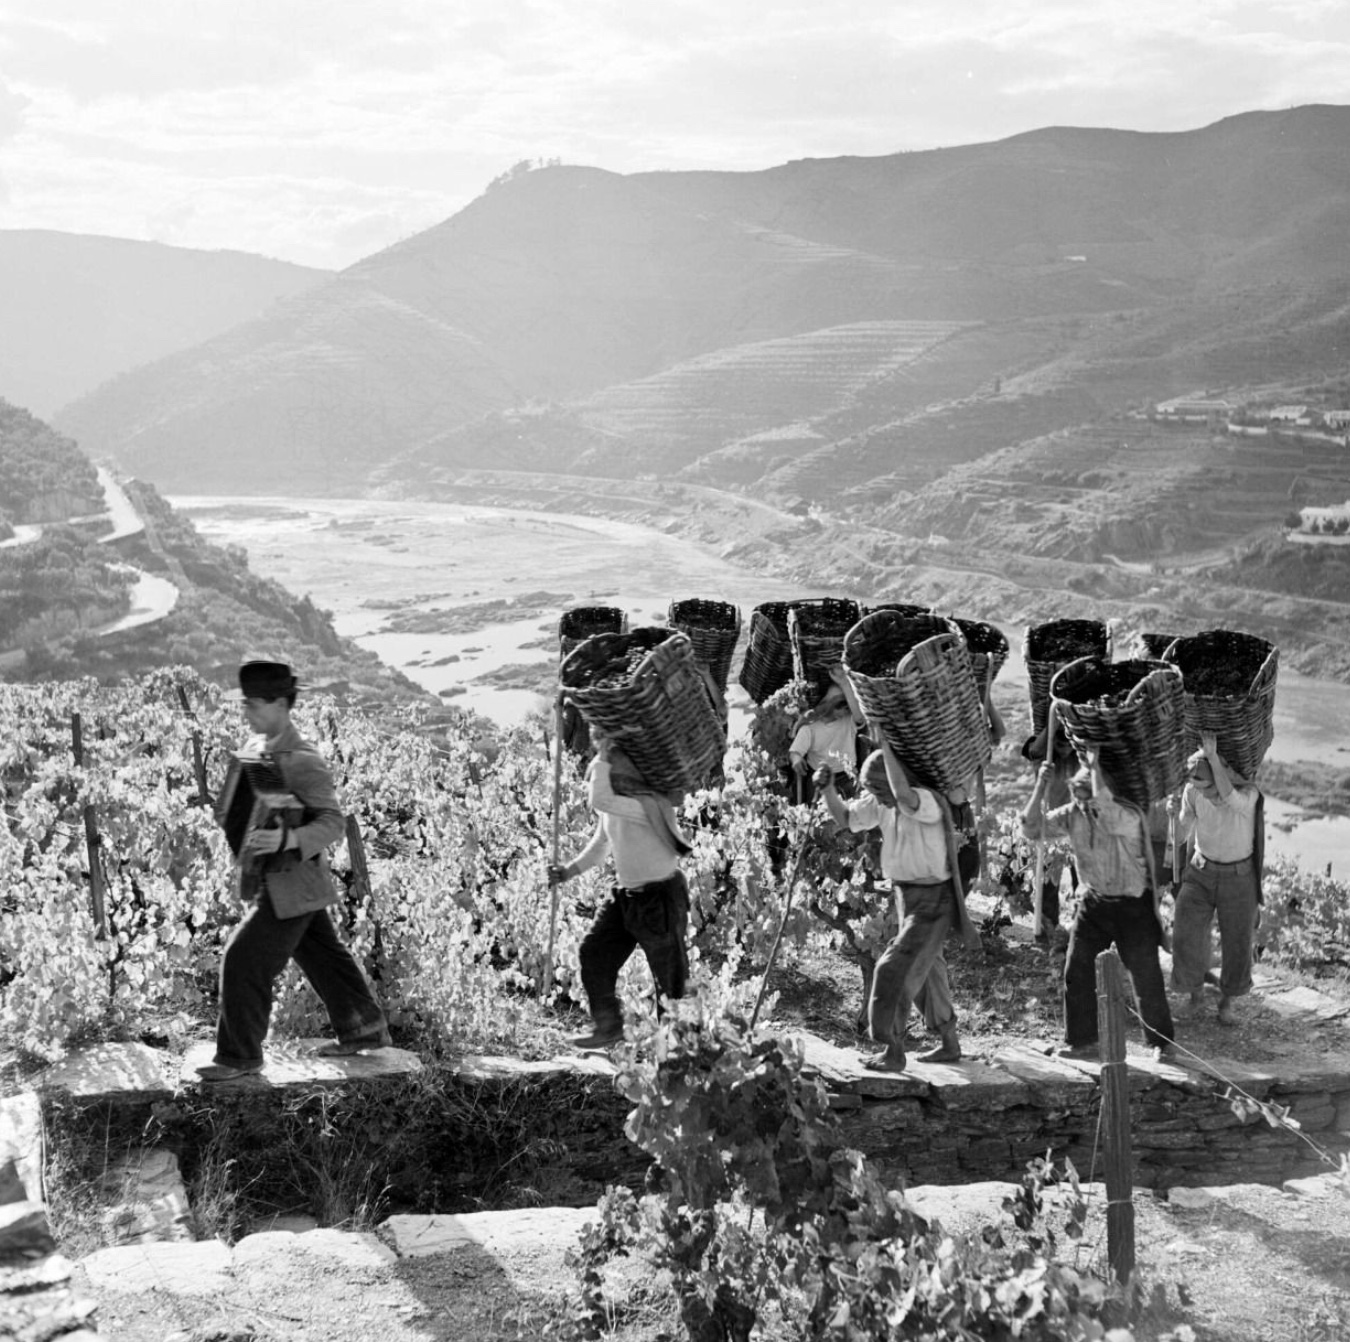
{"x":772,"y":1224}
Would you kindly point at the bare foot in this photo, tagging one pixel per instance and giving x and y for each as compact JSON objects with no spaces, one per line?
{"x":943,"y":1053}
{"x":949,"y":1050}
{"x":885,"y":1061}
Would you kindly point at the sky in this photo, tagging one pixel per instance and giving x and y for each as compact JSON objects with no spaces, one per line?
{"x":320,"y":131}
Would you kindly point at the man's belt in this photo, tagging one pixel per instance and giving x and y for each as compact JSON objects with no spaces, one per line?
{"x":650,"y":888}
{"x":1202,"y":861}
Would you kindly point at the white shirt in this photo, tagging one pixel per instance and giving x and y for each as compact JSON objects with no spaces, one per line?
{"x":1224,"y":831}
{"x":641,"y":855}
{"x":913,"y":843}
{"x":833,"y":742}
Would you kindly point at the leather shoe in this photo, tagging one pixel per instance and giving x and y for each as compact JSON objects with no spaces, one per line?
{"x":378,"y":1037}
{"x":1080,"y":1052}
{"x":599,"y":1038}
{"x":220,"y":1071}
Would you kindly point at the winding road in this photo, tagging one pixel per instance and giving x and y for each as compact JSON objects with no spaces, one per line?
{"x":152,"y":597}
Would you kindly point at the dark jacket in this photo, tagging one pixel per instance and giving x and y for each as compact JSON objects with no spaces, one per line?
{"x":298,"y":879}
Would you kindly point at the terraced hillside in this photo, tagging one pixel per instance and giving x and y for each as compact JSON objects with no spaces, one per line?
{"x":893,"y":459}
{"x":586,"y":320}
{"x":1126,"y":490}
{"x":732,"y":406}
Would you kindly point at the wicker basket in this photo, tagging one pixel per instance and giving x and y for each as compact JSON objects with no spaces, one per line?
{"x":816,"y":629}
{"x":912,"y":675}
{"x":713,"y":628}
{"x":1229,"y":684}
{"x":1134,"y":712}
{"x":644,"y":691}
{"x":768,"y":652}
{"x":988,"y":650}
{"x":1155,"y":645}
{"x":900,"y":608}
{"x":1047,"y":647}
{"x":577,"y":625}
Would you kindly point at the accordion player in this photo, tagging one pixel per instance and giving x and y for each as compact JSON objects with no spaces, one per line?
{"x":254,"y":797}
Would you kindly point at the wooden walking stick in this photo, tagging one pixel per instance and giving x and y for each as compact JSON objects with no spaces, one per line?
{"x":778,"y":937}
{"x":557,"y":802}
{"x":1037,"y":890}
{"x":1176,"y":850}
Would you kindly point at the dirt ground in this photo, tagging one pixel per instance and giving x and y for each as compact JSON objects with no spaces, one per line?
{"x":464,"y":1299}
{"x":1009,"y":992}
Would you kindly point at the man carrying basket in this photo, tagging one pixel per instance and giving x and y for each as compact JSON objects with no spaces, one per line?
{"x":1117,"y":896}
{"x":918,"y":855}
{"x":1222,"y":816}
{"x":649,"y":903}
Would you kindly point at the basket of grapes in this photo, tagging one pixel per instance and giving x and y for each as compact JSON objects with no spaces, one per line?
{"x":645,"y":692}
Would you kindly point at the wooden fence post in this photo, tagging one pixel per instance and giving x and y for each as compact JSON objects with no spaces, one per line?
{"x":356,"y":850}
{"x":198,"y":763}
{"x":91,"y":841}
{"x":554,"y":852}
{"x":1118,"y":1149}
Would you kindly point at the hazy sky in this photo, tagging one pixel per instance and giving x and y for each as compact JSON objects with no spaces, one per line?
{"x":322,"y":130}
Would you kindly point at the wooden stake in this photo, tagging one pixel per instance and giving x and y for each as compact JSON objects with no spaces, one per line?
{"x":198,"y":763}
{"x":557,"y":803}
{"x":778,"y":936}
{"x":356,"y":850}
{"x":1036,"y":896}
{"x":1176,"y":848}
{"x":1117,"y":1146}
{"x":91,"y":840}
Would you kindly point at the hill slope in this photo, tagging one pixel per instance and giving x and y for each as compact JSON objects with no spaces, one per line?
{"x":564,"y":282}
{"x":67,"y":583}
{"x":78,"y":310}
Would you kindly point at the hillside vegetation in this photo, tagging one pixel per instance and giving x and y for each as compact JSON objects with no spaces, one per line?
{"x":44,"y":477}
{"x":60,"y":589}
{"x":949,"y":360}
{"x":1112,"y":266}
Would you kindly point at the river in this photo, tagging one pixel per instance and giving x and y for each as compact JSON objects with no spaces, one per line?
{"x":357,"y":557}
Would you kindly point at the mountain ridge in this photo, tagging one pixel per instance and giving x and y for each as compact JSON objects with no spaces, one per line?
{"x":563,"y":281}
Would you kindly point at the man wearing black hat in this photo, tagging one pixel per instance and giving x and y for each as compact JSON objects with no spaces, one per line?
{"x":290,"y":888}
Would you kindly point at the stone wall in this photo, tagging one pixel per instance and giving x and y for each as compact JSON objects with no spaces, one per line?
{"x":554,"y":1130}
{"x":972,"y":1121}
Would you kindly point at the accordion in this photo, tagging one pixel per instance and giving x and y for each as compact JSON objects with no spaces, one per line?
{"x":254,"y":797}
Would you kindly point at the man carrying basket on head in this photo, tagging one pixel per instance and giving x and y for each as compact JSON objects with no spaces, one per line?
{"x":649,"y":903}
{"x":1117,"y":896}
{"x":1223,"y":817}
{"x":919,"y":857}
{"x":826,"y":738}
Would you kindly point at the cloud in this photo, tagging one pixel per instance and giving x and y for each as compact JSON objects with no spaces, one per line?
{"x":12,"y":107}
{"x":320,"y":128}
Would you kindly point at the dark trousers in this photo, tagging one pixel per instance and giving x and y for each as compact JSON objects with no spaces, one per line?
{"x":1133,"y":926}
{"x":911,"y":971}
{"x":256,"y":953}
{"x":655,"y":917}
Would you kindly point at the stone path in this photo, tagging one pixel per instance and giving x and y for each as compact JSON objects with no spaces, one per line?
{"x":413,"y":1269}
